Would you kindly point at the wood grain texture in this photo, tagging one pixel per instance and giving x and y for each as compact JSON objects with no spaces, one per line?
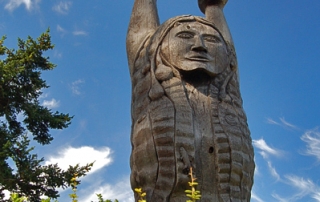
{"x":188,"y":117}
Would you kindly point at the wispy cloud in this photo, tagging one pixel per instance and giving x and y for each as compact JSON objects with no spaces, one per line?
{"x":62,"y":7}
{"x":57,"y":54}
{"x":51,"y":103}
{"x":82,"y":156}
{"x":79,"y":33}
{"x":61,"y":30}
{"x":265,"y":148}
{"x":312,"y":138}
{"x":273,"y":171}
{"x":43,"y":95}
{"x":271,"y":121}
{"x":287,"y":124}
{"x":13,"y":4}
{"x":265,"y":152}
{"x":120,"y":191}
{"x":256,"y":169}
{"x":2,"y":26}
{"x":255,"y":198}
{"x":279,"y":198}
{"x":316,"y":196}
{"x":75,"y":86}
{"x":282,"y":123}
{"x":83,"y":124}
{"x":305,"y":187}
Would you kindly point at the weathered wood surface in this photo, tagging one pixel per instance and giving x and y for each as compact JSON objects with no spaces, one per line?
{"x":186,"y":106}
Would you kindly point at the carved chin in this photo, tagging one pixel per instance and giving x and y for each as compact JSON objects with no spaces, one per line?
{"x":206,"y":68}
{"x":198,"y":76}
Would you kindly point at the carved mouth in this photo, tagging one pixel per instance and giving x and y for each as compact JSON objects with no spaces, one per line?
{"x":199,"y":57}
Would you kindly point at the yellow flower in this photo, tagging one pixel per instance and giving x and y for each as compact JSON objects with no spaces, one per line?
{"x":138,"y":190}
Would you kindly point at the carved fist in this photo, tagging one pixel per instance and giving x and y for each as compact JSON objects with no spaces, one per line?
{"x":204,"y":3}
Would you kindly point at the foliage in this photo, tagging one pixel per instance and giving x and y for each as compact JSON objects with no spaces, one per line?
{"x":22,"y":117}
{"x":20,"y":89}
{"x":74,"y":185}
{"x":193,"y":194}
{"x":16,"y":198}
{"x":102,"y":200}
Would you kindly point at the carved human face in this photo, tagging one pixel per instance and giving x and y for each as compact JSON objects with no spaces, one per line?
{"x":192,"y":45}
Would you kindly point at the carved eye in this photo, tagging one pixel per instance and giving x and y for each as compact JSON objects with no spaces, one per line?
{"x":185,"y":35}
{"x":212,"y":38}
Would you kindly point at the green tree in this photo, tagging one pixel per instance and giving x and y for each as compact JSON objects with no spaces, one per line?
{"x":20,"y":88}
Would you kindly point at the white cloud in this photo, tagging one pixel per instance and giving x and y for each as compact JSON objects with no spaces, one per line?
{"x":2,"y":26}
{"x":61,"y":30}
{"x":62,"y":7}
{"x":255,"y":198}
{"x":80,"y":33}
{"x":273,"y":171}
{"x":282,"y":123}
{"x":312,"y":138}
{"x":305,"y":187}
{"x":121,"y":191}
{"x":256,"y":169}
{"x":83,"y":124}
{"x":316,"y":196}
{"x":279,"y":198}
{"x":51,"y":103}
{"x":287,"y":124}
{"x":13,"y":4}
{"x":271,"y":121}
{"x":43,"y":95}
{"x":82,"y":156}
{"x":57,"y":54}
{"x":265,"y":148}
{"x":75,"y":86}
{"x":6,"y":194}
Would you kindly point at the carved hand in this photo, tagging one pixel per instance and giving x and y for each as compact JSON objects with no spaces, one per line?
{"x":204,"y":3}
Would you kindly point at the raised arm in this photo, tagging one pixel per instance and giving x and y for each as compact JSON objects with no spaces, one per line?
{"x":144,"y":19}
{"x":203,"y":4}
{"x":213,"y":9}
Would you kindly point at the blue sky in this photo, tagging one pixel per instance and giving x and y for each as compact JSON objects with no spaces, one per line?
{"x":277,"y":45}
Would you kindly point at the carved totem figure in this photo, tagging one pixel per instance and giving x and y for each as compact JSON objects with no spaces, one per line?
{"x":186,"y":107}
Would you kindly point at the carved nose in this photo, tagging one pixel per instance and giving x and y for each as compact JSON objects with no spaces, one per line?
{"x":199,"y":45}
